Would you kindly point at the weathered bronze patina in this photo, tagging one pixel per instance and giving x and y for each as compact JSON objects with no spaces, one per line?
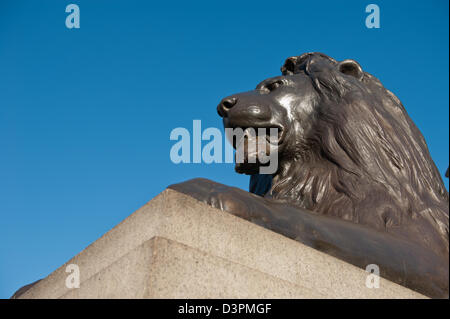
{"x":355,"y":177}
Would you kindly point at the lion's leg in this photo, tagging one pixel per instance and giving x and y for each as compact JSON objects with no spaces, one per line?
{"x":399,"y":260}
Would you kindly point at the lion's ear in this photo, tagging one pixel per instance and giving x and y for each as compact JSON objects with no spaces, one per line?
{"x":289,"y":66}
{"x":351,"y":67}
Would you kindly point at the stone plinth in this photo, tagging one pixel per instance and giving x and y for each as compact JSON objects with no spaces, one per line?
{"x":178,"y":247}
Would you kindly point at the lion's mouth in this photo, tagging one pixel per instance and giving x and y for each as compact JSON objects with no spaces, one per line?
{"x":273,"y":135}
{"x":255,"y":148}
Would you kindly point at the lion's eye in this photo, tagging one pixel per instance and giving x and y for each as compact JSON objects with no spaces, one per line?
{"x":274,"y":85}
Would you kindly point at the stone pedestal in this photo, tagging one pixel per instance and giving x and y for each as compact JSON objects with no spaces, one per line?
{"x":178,"y":247}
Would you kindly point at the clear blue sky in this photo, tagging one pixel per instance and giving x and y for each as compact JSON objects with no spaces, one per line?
{"x":85,"y":114}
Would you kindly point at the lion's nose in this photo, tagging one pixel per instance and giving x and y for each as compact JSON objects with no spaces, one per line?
{"x":225,"y":105}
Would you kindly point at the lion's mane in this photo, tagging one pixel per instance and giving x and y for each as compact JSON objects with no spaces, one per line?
{"x":364,"y":160}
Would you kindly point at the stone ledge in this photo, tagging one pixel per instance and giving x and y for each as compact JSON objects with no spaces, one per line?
{"x":218,"y":236}
{"x":162,"y":268}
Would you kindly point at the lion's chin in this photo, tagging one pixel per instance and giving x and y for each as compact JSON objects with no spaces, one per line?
{"x":248,"y":157}
{"x":247,"y":168}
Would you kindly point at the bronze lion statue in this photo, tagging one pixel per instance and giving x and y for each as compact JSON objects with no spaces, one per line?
{"x":355,"y":178}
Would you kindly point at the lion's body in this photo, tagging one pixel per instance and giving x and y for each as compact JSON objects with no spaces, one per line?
{"x":348,"y":150}
{"x":363,"y":159}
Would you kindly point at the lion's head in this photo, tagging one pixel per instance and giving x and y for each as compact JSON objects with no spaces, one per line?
{"x":347,"y":148}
